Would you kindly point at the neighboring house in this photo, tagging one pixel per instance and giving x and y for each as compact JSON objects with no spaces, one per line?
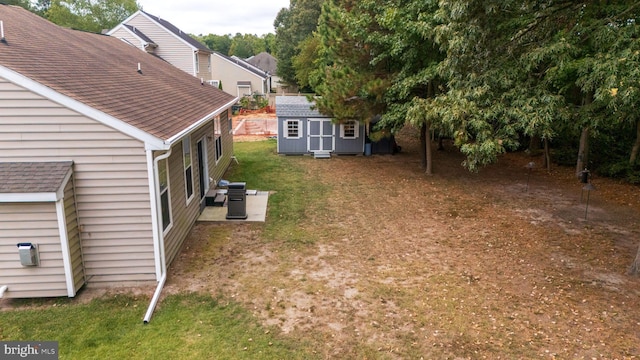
{"x":106,"y":153}
{"x":238,"y":77}
{"x":269,"y":64}
{"x":304,"y":130}
{"x":159,"y":37}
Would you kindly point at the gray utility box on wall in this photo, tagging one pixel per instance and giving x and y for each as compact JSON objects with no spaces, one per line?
{"x":28,"y":254}
{"x":237,"y":200}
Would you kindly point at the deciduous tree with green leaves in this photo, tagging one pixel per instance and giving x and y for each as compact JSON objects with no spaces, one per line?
{"x":90,"y":15}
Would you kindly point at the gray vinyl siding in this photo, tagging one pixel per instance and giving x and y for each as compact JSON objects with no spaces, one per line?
{"x":73,"y":235}
{"x":292,"y":146}
{"x":170,"y":48}
{"x":183,"y":215}
{"x":349,"y":146}
{"x":110,"y":177}
{"x":216,"y":171}
{"x":36,"y":223}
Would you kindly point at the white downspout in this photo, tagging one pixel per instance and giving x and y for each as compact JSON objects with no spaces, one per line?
{"x":161,"y":269}
{"x":2,"y":290}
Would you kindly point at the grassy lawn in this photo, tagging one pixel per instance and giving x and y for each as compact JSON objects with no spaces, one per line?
{"x":290,"y":186}
{"x":184,"y":326}
{"x":366,"y":258}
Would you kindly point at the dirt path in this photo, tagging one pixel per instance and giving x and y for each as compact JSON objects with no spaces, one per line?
{"x":454,"y":265}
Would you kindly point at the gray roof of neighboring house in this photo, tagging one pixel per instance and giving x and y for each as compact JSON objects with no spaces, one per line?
{"x":33,"y":177}
{"x":295,"y":106}
{"x":139,"y":33}
{"x":100,"y":71}
{"x":264,"y":61}
{"x":181,"y":34}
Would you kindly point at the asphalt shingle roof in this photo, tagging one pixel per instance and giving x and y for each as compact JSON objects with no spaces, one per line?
{"x":101,"y":71}
{"x":33,"y":177}
{"x":295,"y":106}
{"x":265,"y":62}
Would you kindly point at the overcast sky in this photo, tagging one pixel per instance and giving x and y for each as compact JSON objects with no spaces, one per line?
{"x":218,"y":17}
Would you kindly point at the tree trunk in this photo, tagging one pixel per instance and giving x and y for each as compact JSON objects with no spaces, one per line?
{"x":429,"y":169}
{"x":547,"y":156}
{"x":636,"y":145}
{"x":583,"y":151}
{"x":534,"y":145}
{"x":635,"y":267}
{"x":423,"y":147}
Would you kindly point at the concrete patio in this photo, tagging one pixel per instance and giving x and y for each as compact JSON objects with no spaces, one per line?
{"x":256,"y":209}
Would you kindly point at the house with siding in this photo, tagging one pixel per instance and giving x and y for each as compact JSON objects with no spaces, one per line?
{"x":159,"y":37}
{"x":106,"y":154}
{"x":238,"y":77}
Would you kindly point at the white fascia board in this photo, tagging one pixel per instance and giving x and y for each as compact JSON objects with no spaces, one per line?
{"x":151,"y":142}
{"x":118,"y":27}
{"x":28,"y":197}
{"x":241,"y":67}
{"x":178,"y":137}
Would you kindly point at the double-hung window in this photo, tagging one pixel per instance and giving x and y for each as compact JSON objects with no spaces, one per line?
{"x":217,"y":132}
{"x":165,"y":201}
{"x":188,"y":167}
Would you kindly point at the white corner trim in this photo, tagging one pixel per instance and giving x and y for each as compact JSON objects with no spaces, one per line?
{"x":64,"y":245}
{"x":86,"y":110}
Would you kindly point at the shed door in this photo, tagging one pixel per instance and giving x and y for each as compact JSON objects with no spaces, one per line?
{"x":320,"y":135}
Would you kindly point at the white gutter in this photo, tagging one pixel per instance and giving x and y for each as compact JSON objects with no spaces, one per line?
{"x":199,"y":123}
{"x":2,"y":290}
{"x":158,"y":236}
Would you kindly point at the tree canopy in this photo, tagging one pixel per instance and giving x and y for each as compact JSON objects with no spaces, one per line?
{"x":88,"y":15}
{"x":490,"y":74}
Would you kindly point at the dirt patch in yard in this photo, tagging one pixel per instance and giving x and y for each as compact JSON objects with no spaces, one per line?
{"x":499,"y":264}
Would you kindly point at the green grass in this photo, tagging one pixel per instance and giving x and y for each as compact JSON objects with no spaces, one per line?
{"x":291,"y":188}
{"x":186,"y":326}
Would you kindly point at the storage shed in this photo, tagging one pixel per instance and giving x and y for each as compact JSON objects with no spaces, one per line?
{"x":304,"y":130}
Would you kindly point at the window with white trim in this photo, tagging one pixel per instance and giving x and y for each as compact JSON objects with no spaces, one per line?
{"x":188,"y":167}
{"x":349,"y":129}
{"x":293,"y":129}
{"x":217,"y":132}
{"x":197,"y":62}
{"x":165,"y":201}
{"x":209,"y":63}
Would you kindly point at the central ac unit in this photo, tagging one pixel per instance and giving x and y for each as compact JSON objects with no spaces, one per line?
{"x":215,"y":83}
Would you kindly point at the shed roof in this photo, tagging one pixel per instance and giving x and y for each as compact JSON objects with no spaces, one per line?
{"x":296,"y":106}
{"x":101,"y":72}
{"x":33,"y":177}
